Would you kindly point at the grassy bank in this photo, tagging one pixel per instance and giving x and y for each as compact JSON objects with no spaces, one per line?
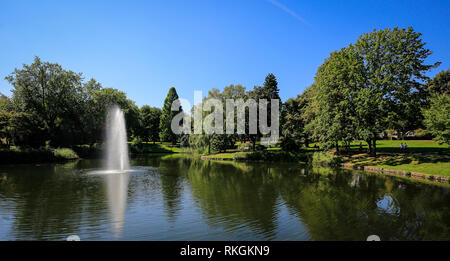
{"x":157,"y":147}
{"x":410,"y":163}
{"x":265,"y":156}
{"x":423,"y":157}
{"x":426,"y":147}
{"x":41,"y":155}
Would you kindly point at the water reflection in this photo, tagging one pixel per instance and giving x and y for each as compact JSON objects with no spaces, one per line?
{"x":182,"y":198}
{"x":117,"y":192}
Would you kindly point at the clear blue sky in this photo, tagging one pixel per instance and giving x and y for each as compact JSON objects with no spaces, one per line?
{"x":145,"y":47}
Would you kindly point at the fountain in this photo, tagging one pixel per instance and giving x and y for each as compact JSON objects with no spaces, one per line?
{"x":116,"y":141}
{"x":116,"y":168}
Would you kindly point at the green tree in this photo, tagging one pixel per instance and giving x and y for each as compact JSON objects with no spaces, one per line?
{"x":293,"y":125}
{"x":392,"y":91}
{"x":166,"y":133}
{"x":440,"y":84}
{"x":52,"y":96}
{"x":150,"y":118}
{"x":437,"y":118}
{"x":268,"y":91}
{"x":308,"y":111}
{"x":337,"y":83}
{"x":99,"y":101}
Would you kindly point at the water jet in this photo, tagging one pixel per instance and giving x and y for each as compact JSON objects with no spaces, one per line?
{"x":116,"y":141}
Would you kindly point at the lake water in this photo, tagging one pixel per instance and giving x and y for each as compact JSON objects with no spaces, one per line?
{"x":181,"y":198}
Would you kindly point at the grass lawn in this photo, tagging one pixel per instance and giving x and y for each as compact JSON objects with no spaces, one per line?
{"x":434,"y":166}
{"x":160,"y":147}
{"x":407,"y":162}
{"x":414,"y":146}
{"x":225,"y":155}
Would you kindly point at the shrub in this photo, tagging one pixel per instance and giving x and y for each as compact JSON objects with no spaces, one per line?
{"x":137,"y":145}
{"x":65,"y":153}
{"x":272,"y":156}
{"x":326,"y":158}
{"x":290,"y":144}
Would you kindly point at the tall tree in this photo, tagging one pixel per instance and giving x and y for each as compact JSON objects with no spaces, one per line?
{"x":293,"y":125}
{"x":166,"y":133}
{"x":150,"y":118}
{"x":337,"y":83}
{"x":392,"y":92}
{"x":437,"y":118}
{"x":52,"y":96}
{"x":440,"y":84}
{"x":268,"y":91}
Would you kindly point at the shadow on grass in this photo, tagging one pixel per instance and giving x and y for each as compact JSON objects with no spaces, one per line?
{"x":153,"y":148}
{"x":411,"y":149}
{"x":398,"y":160}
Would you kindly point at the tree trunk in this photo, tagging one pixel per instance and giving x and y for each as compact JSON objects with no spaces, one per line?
{"x":375,"y":146}
{"x":369,"y":145}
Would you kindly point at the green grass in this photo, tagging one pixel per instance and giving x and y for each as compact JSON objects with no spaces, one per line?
{"x":226,"y":155}
{"x":264,"y":155}
{"x":427,"y":165}
{"x":407,"y":162}
{"x":36,"y":155}
{"x":158,"y":147}
{"x":414,"y":146}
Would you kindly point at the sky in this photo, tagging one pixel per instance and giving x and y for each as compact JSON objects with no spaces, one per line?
{"x":145,"y":47}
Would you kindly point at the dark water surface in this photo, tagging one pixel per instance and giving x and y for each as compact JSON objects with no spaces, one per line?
{"x":181,"y":198}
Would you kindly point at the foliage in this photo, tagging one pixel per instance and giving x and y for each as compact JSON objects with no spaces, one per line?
{"x":207,"y":142}
{"x":373,"y":85}
{"x":150,"y":119}
{"x":268,"y":91}
{"x":65,"y":153}
{"x":271,"y":156}
{"x":293,"y":125}
{"x":50,"y":104}
{"x":437,"y":118}
{"x":440,"y":84}
{"x":326,"y":158}
{"x":165,"y":130}
{"x":32,"y":155}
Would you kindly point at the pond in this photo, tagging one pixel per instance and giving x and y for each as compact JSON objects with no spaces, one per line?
{"x":177,"y":197}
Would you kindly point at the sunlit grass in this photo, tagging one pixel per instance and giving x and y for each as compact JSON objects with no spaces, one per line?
{"x":428,"y":165}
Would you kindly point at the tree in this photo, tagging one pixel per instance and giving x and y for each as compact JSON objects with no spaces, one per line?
{"x":268,"y":91}
{"x":437,"y":118}
{"x":440,"y":84}
{"x":337,"y":82}
{"x":293,"y":125}
{"x":166,"y":133}
{"x":392,"y":91}
{"x":52,"y":96}
{"x":5,"y":116}
{"x":99,"y":101}
{"x":208,"y":142}
{"x":309,"y":111}
{"x":150,"y":118}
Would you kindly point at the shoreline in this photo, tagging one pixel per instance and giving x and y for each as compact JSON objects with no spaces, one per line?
{"x":35,"y":157}
{"x":373,"y":169}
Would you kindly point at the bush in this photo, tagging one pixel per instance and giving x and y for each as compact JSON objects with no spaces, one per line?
{"x":326,"y":158}
{"x":32,"y":155}
{"x":86,"y":151}
{"x":137,"y":145}
{"x":290,"y":144}
{"x":246,"y":146}
{"x":65,"y":153}
{"x":283,"y":156}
